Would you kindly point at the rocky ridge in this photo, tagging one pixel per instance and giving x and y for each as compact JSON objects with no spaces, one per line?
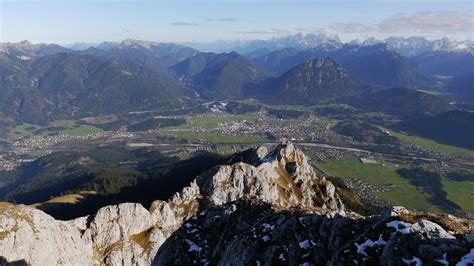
{"x":270,"y":208}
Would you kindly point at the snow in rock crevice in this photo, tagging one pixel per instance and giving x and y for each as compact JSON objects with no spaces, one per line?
{"x":416,"y":260}
{"x":370,"y":243}
{"x":400,"y":227}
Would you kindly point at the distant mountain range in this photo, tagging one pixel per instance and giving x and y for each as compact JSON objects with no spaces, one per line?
{"x":374,"y":64}
{"x":298,"y":41}
{"x":48,"y":81}
{"x":26,"y":50}
{"x":413,"y":46}
{"x":410,"y":46}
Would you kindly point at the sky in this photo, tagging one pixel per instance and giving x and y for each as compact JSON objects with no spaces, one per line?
{"x":93,"y":21}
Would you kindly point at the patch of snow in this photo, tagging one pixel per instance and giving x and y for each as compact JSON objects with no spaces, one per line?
{"x":443,"y":260}
{"x":195,"y":230}
{"x":305,"y":244}
{"x":468,"y":259}
{"x":369,"y":243}
{"x":193,"y":247}
{"x":265,"y":238}
{"x":188,"y":225}
{"x":401,"y":227}
{"x":257,"y":262}
{"x":24,"y":57}
{"x":416,"y":260}
{"x":282,"y":257}
{"x":268,"y":227}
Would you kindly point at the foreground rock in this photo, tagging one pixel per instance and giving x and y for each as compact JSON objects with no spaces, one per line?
{"x":268,"y":208}
{"x":250,"y":233}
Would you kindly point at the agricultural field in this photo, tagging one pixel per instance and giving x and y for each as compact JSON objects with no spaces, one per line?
{"x":403,"y":193}
{"x":64,"y":127}
{"x":190,"y":133}
{"x":461,"y":192}
{"x":71,"y":128}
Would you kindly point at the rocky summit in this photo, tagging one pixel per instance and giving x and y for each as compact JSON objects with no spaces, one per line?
{"x":269,"y":208}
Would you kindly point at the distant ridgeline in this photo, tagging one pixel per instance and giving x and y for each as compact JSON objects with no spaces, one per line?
{"x":42,"y":82}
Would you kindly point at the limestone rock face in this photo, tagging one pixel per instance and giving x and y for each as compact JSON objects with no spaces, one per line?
{"x":238,"y":181}
{"x":30,"y":236}
{"x":282,"y":178}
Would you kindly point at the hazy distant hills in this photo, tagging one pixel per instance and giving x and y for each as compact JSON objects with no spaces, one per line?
{"x":446,"y":63}
{"x":310,"y":82}
{"x":220,"y":76}
{"x":402,"y":102}
{"x":374,"y":64}
{"x":462,"y":87}
{"x":69,"y":85}
{"x":454,"y":128}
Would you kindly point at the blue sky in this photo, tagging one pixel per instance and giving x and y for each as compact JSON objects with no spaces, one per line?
{"x":66,"y":21}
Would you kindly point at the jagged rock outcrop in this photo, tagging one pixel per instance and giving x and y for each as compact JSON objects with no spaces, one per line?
{"x":282,"y":178}
{"x":251,"y":233}
{"x":269,"y":206}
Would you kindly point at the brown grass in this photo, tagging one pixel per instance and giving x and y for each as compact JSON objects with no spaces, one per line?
{"x":457,"y":226}
{"x":143,"y":239}
{"x":70,"y":198}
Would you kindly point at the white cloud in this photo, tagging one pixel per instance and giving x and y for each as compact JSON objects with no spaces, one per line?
{"x":448,"y":22}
